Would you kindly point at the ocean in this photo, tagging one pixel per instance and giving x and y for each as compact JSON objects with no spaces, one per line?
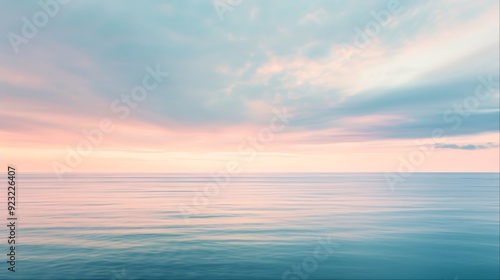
{"x":256,"y":226}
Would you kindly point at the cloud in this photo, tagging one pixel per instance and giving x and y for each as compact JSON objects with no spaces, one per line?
{"x":488,"y":145}
{"x":226,"y":76}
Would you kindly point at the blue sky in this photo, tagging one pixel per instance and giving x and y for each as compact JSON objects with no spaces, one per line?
{"x":226,"y":76}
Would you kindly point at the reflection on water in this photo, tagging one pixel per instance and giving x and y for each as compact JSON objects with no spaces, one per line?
{"x":438,"y":226}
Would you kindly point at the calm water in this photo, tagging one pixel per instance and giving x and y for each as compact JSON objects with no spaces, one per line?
{"x":434,"y":226}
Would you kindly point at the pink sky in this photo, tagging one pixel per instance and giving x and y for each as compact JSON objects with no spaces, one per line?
{"x":355,"y":108}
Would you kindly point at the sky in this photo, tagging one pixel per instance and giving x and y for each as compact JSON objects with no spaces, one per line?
{"x":272,"y":86}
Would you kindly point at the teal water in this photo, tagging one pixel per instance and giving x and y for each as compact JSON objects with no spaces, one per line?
{"x":433,"y":226}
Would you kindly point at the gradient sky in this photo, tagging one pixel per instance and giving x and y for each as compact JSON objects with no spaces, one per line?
{"x":356,"y":107}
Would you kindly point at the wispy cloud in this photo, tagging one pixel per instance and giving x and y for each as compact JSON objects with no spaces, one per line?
{"x":466,"y":147}
{"x":226,"y":75}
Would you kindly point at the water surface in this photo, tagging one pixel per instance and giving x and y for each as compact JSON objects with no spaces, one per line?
{"x":116,"y":226}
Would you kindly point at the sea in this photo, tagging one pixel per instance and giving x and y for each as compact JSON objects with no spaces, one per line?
{"x":254,"y":226}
